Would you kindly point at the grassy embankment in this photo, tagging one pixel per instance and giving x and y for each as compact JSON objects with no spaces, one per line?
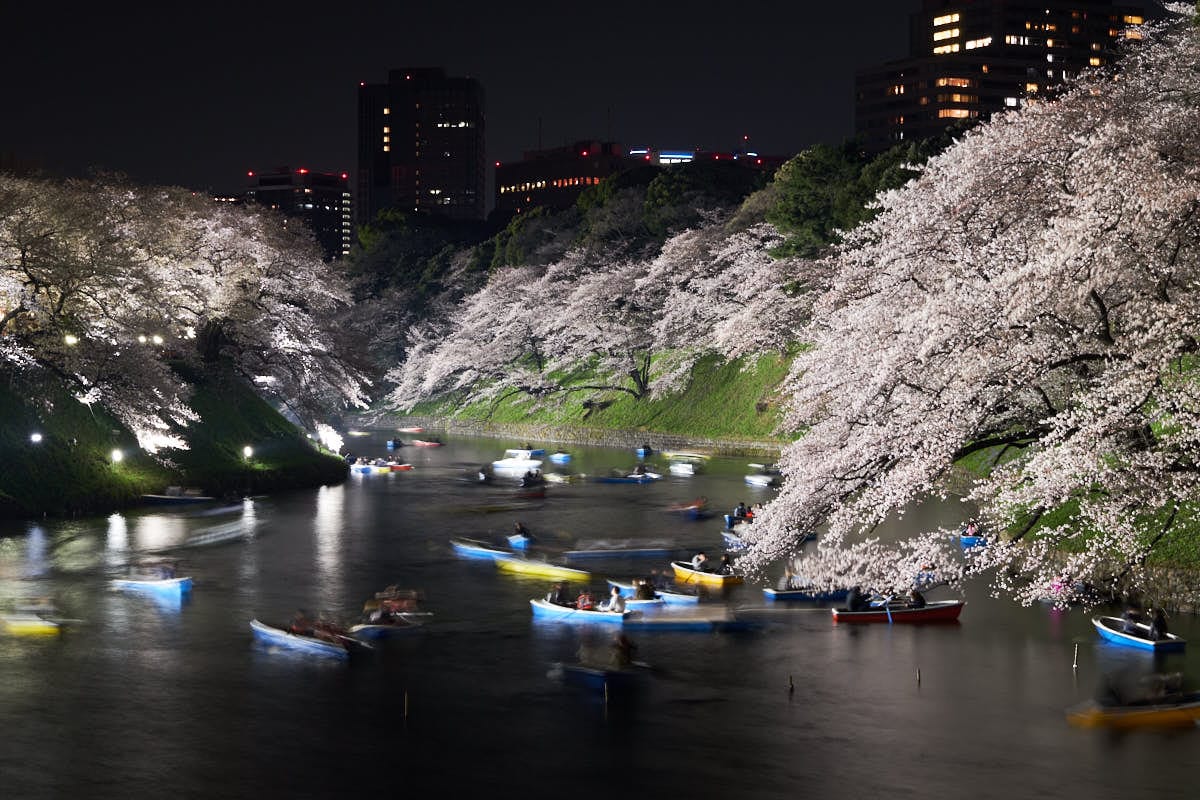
{"x":71,"y":470}
{"x":722,"y":401}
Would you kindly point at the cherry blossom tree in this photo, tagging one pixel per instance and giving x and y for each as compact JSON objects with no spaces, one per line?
{"x":102,"y":284}
{"x":1031,"y":296}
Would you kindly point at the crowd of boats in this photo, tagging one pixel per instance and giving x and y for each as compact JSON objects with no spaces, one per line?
{"x":685,"y":595}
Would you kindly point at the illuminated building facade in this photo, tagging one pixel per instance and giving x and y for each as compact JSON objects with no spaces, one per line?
{"x":972,"y":58}
{"x":322,"y":200}
{"x":421,"y":145}
{"x":554,"y":178}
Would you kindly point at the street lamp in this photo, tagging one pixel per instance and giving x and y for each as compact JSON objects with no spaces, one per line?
{"x":117,"y":456}
{"x":247,"y":451}
{"x":71,"y":340}
{"x":36,"y":438}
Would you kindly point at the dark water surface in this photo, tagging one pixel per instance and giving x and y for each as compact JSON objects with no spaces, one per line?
{"x":145,"y":700}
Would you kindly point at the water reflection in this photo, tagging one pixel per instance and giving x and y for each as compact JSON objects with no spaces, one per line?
{"x":328,"y":525}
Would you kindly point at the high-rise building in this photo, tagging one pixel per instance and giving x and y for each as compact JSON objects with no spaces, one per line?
{"x":421,"y":145}
{"x":554,"y":178}
{"x":321,"y":200}
{"x":969,"y":59}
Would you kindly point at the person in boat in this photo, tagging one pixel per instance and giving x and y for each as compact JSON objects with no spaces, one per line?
{"x":700,"y":562}
{"x":615,"y":603}
{"x":644,"y":590}
{"x":558,"y":594}
{"x":585,"y":601}
{"x":790,"y":580}
{"x":640,"y":469}
{"x":623,"y":649}
{"x":1130,"y":620}
{"x":726,"y":565}
{"x":1158,"y":625}
{"x":915,"y":599}
{"x":972,"y":529}
{"x":519,"y":529}
{"x":740,"y":511}
{"x":301,"y":625}
{"x":657,"y":580}
{"x":856,"y":600}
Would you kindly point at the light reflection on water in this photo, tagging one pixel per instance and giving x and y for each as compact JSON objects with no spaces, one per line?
{"x":158,"y":698}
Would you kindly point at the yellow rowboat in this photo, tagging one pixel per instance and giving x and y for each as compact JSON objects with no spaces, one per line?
{"x":31,"y":625}
{"x":1185,"y":713}
{"x":540,"y":569}
{"x":685,"y":575}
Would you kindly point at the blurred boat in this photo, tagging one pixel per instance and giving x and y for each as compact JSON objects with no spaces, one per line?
{"x":832,"y":596}
{"x":668,"y":597}
{"x":516,"y":463}
{"x":633,"y":477}
{"x":559,"y":457}
{"x":472,"y":548}
{"x":685,"y":574}
{"x":279,"y":637}
{"x":936,"y":611}
{"x":519,"y":565}
{"x":543,"y":610}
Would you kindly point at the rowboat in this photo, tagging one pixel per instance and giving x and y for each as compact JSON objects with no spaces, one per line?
{"x":556,"y":613}
{"x":471,"y":548}
{"x":176,"y":499}
{"x":169,"y":588}
{"x":683,"y":469}
{"x":412,"y":429}
{"x":519,"y":541}
{"x":1112,"y":629}
{"x":693,"y":510}
{"x":1180,"y":711}
{"x":516,"y":463}
{"x":652,"y":603}
{"x":539,"y":569}
{"x":426,"y":443}
{"x":968,"y":542}
{"x":600,"y":679}
{"x":668,"y":597}
{"x":685,"y":575}
{"x":733,"y":542}
{"x":269,"y":634}
{"x":936,"y":611}
{"x":696,"y":457}
{"x":559,"y":457}
{"x":400,"y":467}
{"x":833,"y":596}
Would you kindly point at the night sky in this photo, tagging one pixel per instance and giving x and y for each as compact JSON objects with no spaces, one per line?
{"x":196,"y":94}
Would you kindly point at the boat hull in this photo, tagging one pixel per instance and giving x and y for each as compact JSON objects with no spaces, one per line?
{"x":175,"y":500}
{"x":1185,"y":714}
{"x":1110,"y":630}
{"x":167,"y":587}
{"x":32,"y":625}
{"x":269,"y":634}
{"x":466,"y":548}
{"x":551,"y":612}
{"x":631,"y":552}
{"x":939,"y":611}
{"x":685,"y":575}
{"x":372,"y":632}
{"x":670,"y":598}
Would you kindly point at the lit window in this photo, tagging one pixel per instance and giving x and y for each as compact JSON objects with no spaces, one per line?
{"x":1096,"y":47}
{"x":950,"y":33}
{"x":1133,"y":19}
{"x":946,"y":48}
{"x":1031,"y":87}
{"x":955,"y":113}
{"x":1133,"y":35}
{"x":974,"y":43}
{"x":387,"y":148}
{"x":983,"y":68}
{"x":386,"y":110}
{"x":1095,"y":62}
{"x":1011,"y":102}
{"x":897,"y":89}
{"x":1021,"y":40}
{"x":1049,"y":43}
{"x":387,"y":129}
{"x":387,"y":139}
{"x":961,"y":83}
{"x":945,"y":19}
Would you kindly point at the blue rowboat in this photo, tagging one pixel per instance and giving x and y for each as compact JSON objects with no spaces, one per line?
{"x":968,"y":542}
{"x":670,"y":598}
{"x":560,"y":457}
{"x":169,"y":588}
{"x":600,"y":679}
{"x":644,"y":605}
{"x":543,"y":611}
{"x":733,"y":542}
{"x":278,"y":637}
{"x":471,"y":548}
{"x":833,"y":596}
{"x":1112,"y":629}
{"x":383,"y":630}
{"x":520,"y":541}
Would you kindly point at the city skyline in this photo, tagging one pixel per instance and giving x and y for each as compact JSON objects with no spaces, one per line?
{"x":199,"y":101}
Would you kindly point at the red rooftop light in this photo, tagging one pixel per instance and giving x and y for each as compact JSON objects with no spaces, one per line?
{"x":250,"y":174}
{"x":497,"y":163}
{"x":302,"y":171}
{"x":584,"y":153}
{"x":345,"y":175}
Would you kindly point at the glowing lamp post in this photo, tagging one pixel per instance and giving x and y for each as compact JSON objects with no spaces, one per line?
{"x":117,"y":456}
{"x":71,"y":340}
{"x":36,"y":438}
{"x":247,"y":451}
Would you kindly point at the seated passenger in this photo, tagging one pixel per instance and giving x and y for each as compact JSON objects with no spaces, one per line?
{"x":915,"y":599}
{"x":1130,"y":620}
{"x":726,"y":565}
{"x":616,"y":602}
{"x":700,"y":562}
{"x":1158,"y":625}
{"x":855,"y":600}
{"x":585,"y":602}
{"x":644,"y":590}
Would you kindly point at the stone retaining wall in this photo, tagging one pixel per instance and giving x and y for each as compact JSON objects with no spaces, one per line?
{"x":583,"y":435}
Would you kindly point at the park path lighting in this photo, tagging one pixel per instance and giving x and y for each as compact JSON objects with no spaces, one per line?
{"x":156,"y":339}
{"x":117,"y":456}
{"x":71,"y":340}
{"x":247,"y":451}
{"x":142,"y":338}
{"x":36,"y":438}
